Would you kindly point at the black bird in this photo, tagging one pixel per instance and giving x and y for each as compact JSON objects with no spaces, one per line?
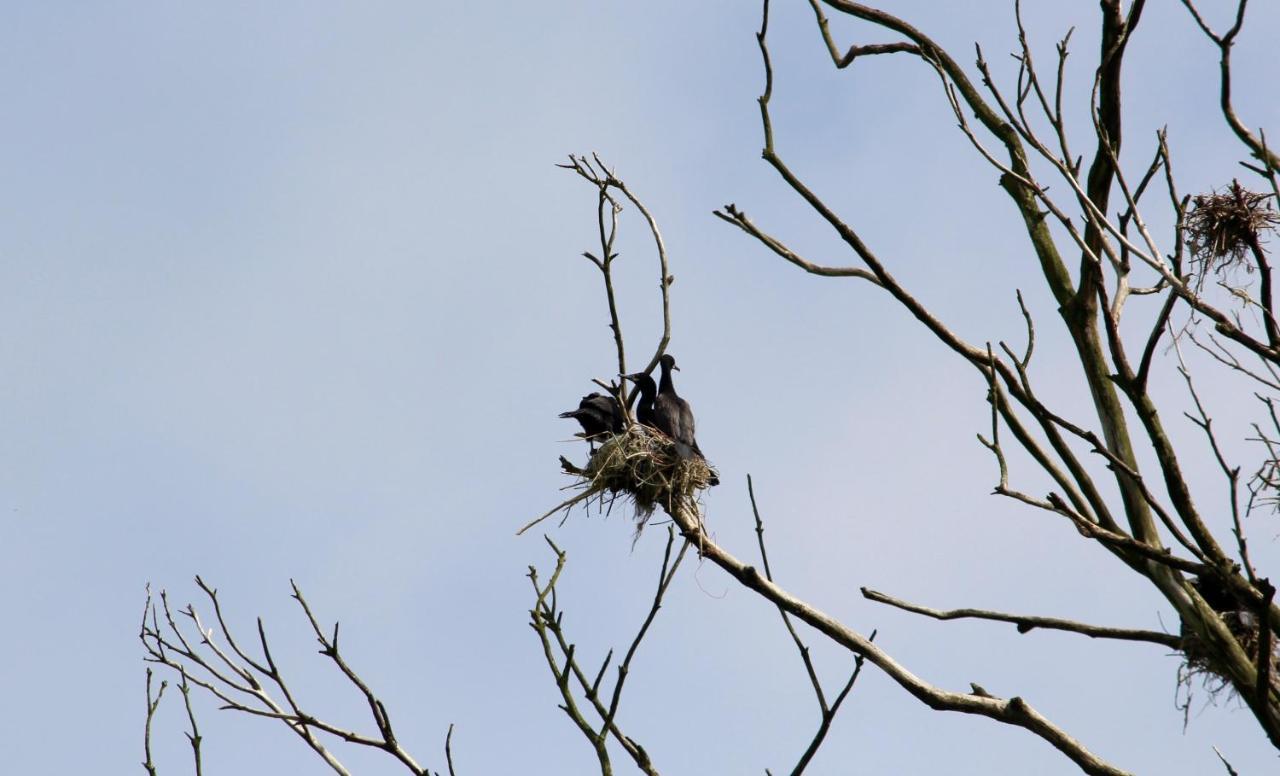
{"x":674,"y":417}
{"x":664,"y":410}
{"x":599,"y":416}
{"x":648,"y":390}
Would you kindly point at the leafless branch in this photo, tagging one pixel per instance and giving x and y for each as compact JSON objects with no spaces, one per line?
{"x":448,"y":749}
{"x":1013,"y":711}
{"x":1230,"y":771}
{"x":152,"y":705}
{"x":546,"y":619}
{"x":1028,"y":623}
{"x":1266,"y":653}
{"x":1231,"y":473}
{"x":241,"y":682}
{"x":827,"y":711}
{"x":1225,"y":41}
{"x":733,"y":215}
{"x":194,"y":737}
{"x":607,"y":209}
{"x":842,"y":61}
{"x":599,"y":174}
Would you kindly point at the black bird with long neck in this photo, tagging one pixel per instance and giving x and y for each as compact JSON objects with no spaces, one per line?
{"x":672,"y":415}
{"x":660,"y":407}
{"x":648,"y":390}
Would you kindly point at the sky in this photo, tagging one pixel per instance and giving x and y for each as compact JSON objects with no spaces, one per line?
{"x":294,"y":291}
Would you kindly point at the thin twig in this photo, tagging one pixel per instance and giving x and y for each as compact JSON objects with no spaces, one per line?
{"x":194,"y":736}
{"x":152,"y":705}
{"x":827,"y":711}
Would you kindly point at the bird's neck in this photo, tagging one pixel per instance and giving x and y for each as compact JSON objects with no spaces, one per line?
{"x":666,"y":386}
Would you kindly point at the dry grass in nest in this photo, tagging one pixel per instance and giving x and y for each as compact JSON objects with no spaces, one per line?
{"x":639,"y":465}
{"x":1223,"y":228}
{"x":1245,"y":625}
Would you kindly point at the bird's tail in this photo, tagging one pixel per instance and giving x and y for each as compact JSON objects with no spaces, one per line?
{"x":714,"y":479}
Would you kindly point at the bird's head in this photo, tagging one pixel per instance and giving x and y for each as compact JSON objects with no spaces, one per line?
{"x":668,"y":361}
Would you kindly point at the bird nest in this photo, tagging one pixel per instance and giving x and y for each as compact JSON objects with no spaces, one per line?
{"x":1223,"y":228}
{"x":1199,"y":661}
{"x":639,"y":465}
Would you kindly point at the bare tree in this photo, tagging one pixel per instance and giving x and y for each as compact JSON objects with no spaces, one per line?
{"x":1099,"y":257}
{"x":1149,"y":521}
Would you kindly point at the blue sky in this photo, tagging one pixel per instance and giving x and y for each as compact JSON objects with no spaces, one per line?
{"x":292,"y":290}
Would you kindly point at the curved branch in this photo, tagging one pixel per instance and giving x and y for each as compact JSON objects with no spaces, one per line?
{"x":1224,"y":43}
{"x":739,"y":219}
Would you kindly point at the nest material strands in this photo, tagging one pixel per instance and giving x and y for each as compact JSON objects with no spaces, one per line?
{"x":1224,"y":228}
{"x":641,"y":465}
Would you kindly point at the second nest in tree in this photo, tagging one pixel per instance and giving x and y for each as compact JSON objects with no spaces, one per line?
{"x":1225,"y":227}
{"x":1199,"y":659}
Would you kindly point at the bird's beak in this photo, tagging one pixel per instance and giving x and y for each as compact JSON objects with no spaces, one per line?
{"x":676,"y":368}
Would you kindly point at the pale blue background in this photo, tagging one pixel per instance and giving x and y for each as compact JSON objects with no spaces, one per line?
{"x":292,"y":290}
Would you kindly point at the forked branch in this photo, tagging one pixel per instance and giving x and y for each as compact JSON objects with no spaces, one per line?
{"x":547,"y":620}
{"x":248,"y":684}
{"x":827,"y":710}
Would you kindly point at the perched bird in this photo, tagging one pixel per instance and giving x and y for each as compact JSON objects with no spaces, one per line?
{"x":648,"y":390}
{"x":599,"y":416}
{"x":660,"y":407}
{"x":672,"y":415}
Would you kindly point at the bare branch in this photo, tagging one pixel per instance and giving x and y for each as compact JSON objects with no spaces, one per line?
{"x":545,"y":619}
{"x":1231,"y":473}
{"x":1013,"y":711}
{"x":828,"y":712}
{"x":152,"y":705}
{"x":239,"y":688}
{"x":448,"y":749}
{"x":1028,"y":623}
{"x":1230,"y":771}
{"x":1224,"y":42}
{"x":842,"y":61}
{"x":739,"y":219}
{"x":194,"y":736}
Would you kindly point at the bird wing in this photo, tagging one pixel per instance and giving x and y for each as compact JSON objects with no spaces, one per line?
{"x":595,"y":414}
{"x":673,"y":417}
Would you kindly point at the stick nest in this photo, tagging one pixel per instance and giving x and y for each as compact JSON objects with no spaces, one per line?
{"x":641,"y":465}
{"x":1224,"y":227}
{"x":1244,"y":624}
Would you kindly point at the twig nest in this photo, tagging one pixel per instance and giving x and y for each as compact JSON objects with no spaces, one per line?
{"x":1223,"y":227}
{"x":1245,"y":626}
{"x":641,"y":464}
